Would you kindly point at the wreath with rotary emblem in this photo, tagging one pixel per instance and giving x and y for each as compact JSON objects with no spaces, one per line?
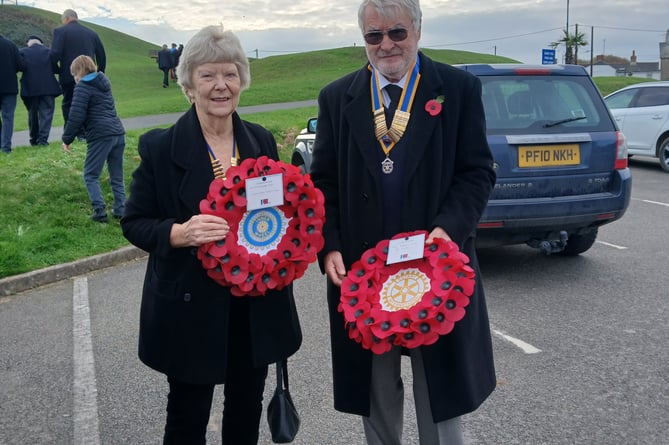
{"x":266,"y":248}
{"x":407,"y":304}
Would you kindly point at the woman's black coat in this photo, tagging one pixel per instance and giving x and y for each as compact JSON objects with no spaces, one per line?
{"x":448,"y":176}
{"x":184,"y":313}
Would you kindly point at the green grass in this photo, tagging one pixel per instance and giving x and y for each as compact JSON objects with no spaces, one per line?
{"x":44,"y":207}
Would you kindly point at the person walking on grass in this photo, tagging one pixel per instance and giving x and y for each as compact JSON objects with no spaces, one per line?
{"x":39,"y":89}
{"x":165,"y":64}
{"x":9,"y":89}
{"x":69,"y":41}
{"x":93,"y":110}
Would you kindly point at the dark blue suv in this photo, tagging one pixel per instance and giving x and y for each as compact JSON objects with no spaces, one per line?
{"x":561,"y":162}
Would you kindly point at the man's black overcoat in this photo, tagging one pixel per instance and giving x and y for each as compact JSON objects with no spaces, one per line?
{"x":448,"y":177}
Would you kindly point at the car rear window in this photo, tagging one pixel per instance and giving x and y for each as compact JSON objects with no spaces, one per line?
{"x":543,"y":104}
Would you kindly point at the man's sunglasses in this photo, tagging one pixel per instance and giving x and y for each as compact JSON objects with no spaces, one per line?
{"x":376,"y":37}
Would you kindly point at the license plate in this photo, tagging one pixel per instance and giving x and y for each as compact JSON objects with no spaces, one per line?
{"x":549,"y":155}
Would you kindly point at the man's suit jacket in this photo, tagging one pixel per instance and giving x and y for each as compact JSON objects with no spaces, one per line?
{"x":38,"y":78}
{"x":11,"y":64}
{"x":73,"y":40}
{"x":184,"y":313}
{"x":447,"y":177}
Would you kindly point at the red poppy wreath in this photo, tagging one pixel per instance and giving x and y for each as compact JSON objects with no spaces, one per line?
{"x":406,"y":304}
{"x":266,"y":248}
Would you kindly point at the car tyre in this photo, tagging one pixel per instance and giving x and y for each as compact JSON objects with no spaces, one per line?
{"x":663,"y":154}
{"x":579,"y":243}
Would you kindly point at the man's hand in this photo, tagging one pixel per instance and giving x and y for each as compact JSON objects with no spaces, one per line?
{"x":334,"y":267}
{"x":66,"y":148}
{"x":437,"y":232}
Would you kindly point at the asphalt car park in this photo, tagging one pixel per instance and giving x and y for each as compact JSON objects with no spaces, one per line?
{"x":579,"y":345}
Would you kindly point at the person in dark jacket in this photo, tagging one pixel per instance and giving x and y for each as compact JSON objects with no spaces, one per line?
{"x":9,"y":89}
{"x":430,"y":168}
{"x":165,"y":64}
{"x":192,"y":329}
{"x":39,"y":89}
{"x":69,"y":41}
{"x":93,"y":110}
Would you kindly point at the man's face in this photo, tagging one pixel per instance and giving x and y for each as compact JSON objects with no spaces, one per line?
{"x":392,"y":58}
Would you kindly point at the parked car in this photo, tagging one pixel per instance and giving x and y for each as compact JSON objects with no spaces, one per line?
{"x":304,"y":146}
{"x":642,"y":114}
{"x":561,"y":162}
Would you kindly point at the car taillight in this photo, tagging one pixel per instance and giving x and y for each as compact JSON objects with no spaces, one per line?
{"x":621,"y":151}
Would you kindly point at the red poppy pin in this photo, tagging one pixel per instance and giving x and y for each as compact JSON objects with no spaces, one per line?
{"x":433,"y":106}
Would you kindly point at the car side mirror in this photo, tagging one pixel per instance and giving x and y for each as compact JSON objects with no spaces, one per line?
{"x":311,"y":125}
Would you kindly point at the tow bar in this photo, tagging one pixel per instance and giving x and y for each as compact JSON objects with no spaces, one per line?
{"x":550,"y":246}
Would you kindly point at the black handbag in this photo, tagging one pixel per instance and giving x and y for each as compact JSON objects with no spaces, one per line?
{"x":284,"y":422}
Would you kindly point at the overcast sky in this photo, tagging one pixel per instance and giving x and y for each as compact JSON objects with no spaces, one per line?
{"x":512,"y":28}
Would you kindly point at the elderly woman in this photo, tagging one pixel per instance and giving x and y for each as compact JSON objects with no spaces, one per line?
{"x":191,"y":328}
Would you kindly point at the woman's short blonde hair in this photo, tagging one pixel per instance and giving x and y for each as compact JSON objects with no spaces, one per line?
{"x":212,"y":45}
{"x":81,"y":66}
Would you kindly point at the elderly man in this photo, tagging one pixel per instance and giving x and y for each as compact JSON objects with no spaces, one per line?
{"x":423,"y":165}
{"x":39,"y":89}
{"x":69,"y":41}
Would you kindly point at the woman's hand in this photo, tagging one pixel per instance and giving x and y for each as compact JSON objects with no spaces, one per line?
{"x":198,"y":230}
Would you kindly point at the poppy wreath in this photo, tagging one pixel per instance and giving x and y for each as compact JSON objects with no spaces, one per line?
{"x":266,"y":248}
{"x":406,"y":304}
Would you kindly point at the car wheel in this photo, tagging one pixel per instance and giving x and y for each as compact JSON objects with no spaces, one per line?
{"x":663,"y":154}
{"x":577,"y":244}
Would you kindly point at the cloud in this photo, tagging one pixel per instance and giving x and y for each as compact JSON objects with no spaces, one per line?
{"x":513,"y":28}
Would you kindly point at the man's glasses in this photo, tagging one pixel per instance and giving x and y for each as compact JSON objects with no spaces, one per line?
{"x":376,"y":37}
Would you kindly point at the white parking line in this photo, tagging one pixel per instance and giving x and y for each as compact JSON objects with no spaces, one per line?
{"x":86,"y":429}
{"x":615,"y":246}
{"x":525,"y":347}
{"x":655,"y":202}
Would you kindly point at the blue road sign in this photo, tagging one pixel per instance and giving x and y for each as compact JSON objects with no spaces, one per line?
{"x":547,"y":56}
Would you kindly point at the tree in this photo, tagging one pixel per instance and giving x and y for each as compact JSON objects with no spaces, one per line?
{"x":570,"y":41}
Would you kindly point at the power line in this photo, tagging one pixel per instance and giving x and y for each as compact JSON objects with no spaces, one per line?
{"x":625,"y":29}
{"x":515,"y":36}
{"x":493,"y":39}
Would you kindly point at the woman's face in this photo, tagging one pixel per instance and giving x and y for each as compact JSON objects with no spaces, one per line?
{"x":216,"y":88}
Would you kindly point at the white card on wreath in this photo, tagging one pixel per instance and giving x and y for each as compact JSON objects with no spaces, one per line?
{"x":406,"y":249}
{"x":264,"y":191}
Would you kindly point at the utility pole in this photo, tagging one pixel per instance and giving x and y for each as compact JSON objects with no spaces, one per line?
{"x":576,"y":46}
{"x":592,"y":47}
{"x":566,"y":35}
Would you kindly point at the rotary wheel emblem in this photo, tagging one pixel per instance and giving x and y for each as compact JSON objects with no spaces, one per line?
{"x":404,"y":289}
{"x":260,"y":231}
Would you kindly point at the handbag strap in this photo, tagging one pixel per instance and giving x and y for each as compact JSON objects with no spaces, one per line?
{"x":282,"y":374}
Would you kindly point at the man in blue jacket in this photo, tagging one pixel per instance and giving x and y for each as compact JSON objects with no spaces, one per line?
{"x":39,"y":89}
{"x":69,"y":41}
{"x":9,"y":88}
